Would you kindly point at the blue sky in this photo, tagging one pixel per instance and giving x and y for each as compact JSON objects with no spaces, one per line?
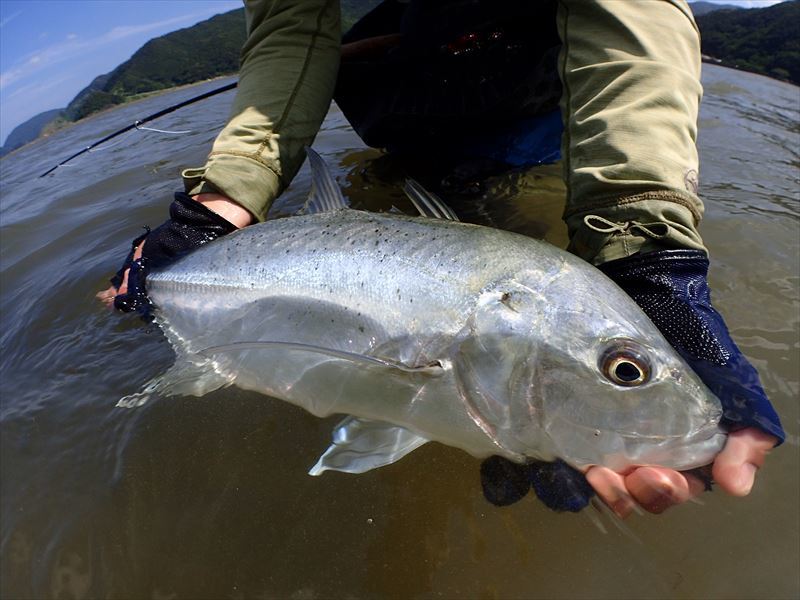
{"x":52,"y":49}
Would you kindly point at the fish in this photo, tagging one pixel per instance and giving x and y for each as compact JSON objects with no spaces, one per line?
{"x":423,"y":328}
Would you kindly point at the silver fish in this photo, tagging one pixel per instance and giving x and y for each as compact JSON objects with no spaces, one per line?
{"x":427,"y":329}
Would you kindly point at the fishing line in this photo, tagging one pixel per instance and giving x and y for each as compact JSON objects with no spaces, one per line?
{"x":139,"y":128}
{"x":139,"y":122}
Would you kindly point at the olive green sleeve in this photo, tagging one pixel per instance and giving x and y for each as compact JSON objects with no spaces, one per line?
{"x":288,"y":71}
{"x":631,"y":77}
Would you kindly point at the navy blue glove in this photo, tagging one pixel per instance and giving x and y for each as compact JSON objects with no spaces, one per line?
{"x":671,"y":288}
{"x":190,"y":225}
{"x":556,"y":484}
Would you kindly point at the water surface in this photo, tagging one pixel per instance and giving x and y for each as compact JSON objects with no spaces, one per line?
{"x":209,"y":497}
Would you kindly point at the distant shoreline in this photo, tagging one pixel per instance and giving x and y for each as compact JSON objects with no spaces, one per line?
{"x":713,"y":60}
{"x":65,"y":125}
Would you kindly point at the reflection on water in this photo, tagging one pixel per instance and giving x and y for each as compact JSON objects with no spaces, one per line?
{"x":209,"y":497}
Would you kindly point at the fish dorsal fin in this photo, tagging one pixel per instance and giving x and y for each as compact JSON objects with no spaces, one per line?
{"x":325,"y":194}
{"x":360,"y":445}
{"x":427,"y":203}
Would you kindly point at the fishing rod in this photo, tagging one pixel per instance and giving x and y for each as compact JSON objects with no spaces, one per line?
{"x":140,"y":122}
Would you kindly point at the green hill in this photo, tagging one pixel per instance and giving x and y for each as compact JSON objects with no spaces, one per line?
{"x":205,"y":50}
{"x":761,"y":40}
{"x":703,"y":8}
{"x":208,"y":49}
{"x":29,"y":130}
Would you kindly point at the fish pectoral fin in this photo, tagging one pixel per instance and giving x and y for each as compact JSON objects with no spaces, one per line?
{"x":427,"y":203}
{"x":360,"y":445}
{"x":434,"y":368}
{"x":325,"y":194}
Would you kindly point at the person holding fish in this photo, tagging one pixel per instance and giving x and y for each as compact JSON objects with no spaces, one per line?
{"x":626,"y":76}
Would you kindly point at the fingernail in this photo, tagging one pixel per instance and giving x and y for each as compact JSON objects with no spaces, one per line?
{"x":747,"y":476}
{"x":623,"y":507}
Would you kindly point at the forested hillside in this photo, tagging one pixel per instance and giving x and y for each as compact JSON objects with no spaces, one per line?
{"x":208,"y":49}
{"x":29,"y":130}
{"x":764,"y":40}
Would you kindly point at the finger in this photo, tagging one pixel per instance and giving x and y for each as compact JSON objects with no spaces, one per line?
{"x":138,"y":252}
{"x":610,"y":486}
{"x":736,"y":466}
{"x":106,"y":295}
{"x":123,"y":287}
{"x":656,"y":489}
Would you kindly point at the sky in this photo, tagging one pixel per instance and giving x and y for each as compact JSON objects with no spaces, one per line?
{"x":51,"y":49}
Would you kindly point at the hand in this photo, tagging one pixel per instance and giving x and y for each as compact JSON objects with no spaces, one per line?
{"x":656,"y":489}
{"x":107,"y":296}
{"x":671,"y":288}
{"x":193,"y":222}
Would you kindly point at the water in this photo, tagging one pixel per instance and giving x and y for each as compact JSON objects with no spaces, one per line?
{"x":209,"y":498}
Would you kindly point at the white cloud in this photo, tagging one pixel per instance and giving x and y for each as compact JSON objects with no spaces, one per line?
{"x":9,"y":18}
{"x":72,"y":36}
{"x":73,"y":47}
{"x":118,"y":33}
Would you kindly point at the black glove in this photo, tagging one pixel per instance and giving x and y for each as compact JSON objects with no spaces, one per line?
{"x":190,"y":225}
{"x":671,"y":288}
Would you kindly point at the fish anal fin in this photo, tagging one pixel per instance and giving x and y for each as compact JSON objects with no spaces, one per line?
{"x":360,"y":445}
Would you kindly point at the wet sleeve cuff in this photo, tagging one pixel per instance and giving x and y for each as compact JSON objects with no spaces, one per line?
{"x":243,"y":179}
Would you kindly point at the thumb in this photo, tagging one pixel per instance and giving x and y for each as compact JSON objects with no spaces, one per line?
{"x":736,"y":466}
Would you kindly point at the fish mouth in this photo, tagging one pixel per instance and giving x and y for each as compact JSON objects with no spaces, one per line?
{"x":680,"y":453}
{"x":621,"y":451}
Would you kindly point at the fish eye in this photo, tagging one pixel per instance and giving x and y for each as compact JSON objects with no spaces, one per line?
{"x":624,"y":363}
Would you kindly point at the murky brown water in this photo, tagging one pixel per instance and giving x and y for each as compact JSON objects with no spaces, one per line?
{"x":209,"y":498}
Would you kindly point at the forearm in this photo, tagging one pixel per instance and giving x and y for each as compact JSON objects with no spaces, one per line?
{"x":286,"y":81}
{"x":631,"y":75}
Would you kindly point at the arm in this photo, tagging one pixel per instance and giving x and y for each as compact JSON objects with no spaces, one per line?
{"x":288,"y":71}
{"x":286,"y":81}
{"x":631,"y":77}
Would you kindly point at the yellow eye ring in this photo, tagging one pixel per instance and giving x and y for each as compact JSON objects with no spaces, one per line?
{"x":625,"y":364}
{"x":624,"y":370}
